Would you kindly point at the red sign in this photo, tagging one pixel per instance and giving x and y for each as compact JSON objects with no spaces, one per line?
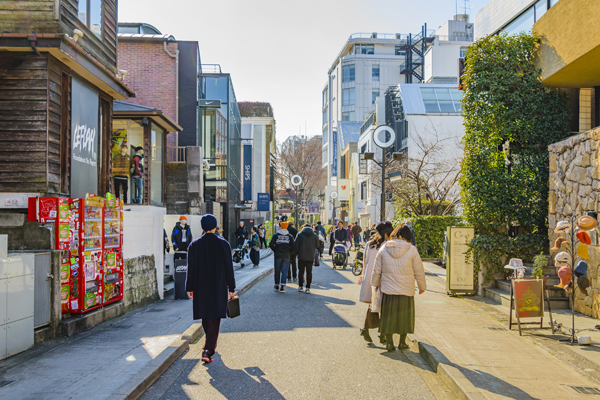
{"x":529,"y":296}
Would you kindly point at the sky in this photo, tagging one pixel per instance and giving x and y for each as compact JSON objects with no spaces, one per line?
{"x":279,"y":51}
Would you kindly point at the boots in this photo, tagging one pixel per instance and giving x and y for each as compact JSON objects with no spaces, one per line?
{"x":365,"y":334}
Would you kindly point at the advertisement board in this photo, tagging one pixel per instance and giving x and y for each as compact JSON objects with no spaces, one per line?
{"x":460,"y":270}
{"x":262,"y":202}
{"x":247,"y":172}
{"x":529,"y":297}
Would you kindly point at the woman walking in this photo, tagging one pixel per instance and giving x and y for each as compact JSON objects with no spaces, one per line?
{"x":396,"y":268}
{"x":261,"y":236}
{"x":254,"y":244}
{"x":366,"y":290}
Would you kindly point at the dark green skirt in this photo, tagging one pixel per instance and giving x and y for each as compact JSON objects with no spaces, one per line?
{"x":397,"y":314}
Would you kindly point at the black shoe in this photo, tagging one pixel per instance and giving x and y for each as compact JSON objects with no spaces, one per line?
{"x":402,"y":346}
{"x":382,"y":339}
{"x":365,"y":334}
{"x":276,"y":287}
{"x":390,"y":347}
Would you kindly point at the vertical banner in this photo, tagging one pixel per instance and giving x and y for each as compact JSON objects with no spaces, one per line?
{"x":247,"y":172}
{"x":334,"y":163}
{"x":84,"y":140}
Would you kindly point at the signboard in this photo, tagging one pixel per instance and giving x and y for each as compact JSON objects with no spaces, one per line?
{"x":345,"y":189}
{"x":334,"y":162}
{"x":209,"y":103}
{"x":247,"y":172}
{"x":362,"y":169}
{"x":460,"y":272}
{"x":84,"y":140}
{"x":262,"y":203}
{"x":529,"y":296}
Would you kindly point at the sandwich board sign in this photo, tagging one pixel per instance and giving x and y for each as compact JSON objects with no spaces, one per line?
{"x":460,"y":272}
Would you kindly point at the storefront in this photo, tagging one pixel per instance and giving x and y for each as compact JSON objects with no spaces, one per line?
{"x":138,"y":146}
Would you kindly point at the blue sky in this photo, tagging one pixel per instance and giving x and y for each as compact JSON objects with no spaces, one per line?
{"x":280,"y":50}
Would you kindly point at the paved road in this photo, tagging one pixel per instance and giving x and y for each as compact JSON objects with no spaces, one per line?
{"x":298,"y":346}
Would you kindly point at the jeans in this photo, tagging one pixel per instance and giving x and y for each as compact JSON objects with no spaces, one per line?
{"x":356,"y":240}
{"x":121,"y":187}
{"x":263,"y":242}
{"x":137,"y":196}
{"x":211,"y":328}
{"x":305,"y":266}
{"x":281,"y":270}
{"x":255,"y":256}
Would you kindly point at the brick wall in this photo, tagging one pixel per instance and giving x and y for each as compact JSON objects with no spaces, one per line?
{"x":151,"y":73}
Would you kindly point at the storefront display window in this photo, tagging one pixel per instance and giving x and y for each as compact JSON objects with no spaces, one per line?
{"x":127,"y":136}
{"x":156,"y":165}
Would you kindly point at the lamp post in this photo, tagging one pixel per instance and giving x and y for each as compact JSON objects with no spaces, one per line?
{"x":297,"y":181}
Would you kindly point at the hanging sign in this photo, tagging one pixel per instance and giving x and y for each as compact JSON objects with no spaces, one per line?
{"x":247,"y":173}
{"x":262,"y":203}
{"x":362,"y":165}
{"x":460,"y":271}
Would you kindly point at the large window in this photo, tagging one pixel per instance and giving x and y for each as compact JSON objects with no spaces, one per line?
{"x":324,"y":116}
{"x":374,"y":95}
{"x":90,"y":13}
{"x":525,"y":21}
{"x":157,"y":135}
{"x":348,"y":116}
{"x":364,"y":49}
{"x":363,"y":191}
{"x":348,"y":97}
{"x":441,"y":100}
{"x":375,"y":72}
{"x":399,"y":51}
{"x":324,"y":97}
{"x":348,"y":73}
{"x":324,"y":155}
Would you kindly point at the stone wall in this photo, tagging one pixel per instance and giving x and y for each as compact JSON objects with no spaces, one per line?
{"x":574,"y":189}
{"x":140,"y":282}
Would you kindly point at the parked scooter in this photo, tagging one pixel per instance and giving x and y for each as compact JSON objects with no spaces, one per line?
{"x":340,"y":255}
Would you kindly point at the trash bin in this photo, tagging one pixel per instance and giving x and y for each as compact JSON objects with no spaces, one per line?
{"x":180,"y":276}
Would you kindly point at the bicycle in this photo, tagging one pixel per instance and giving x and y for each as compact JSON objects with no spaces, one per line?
{"x":357,"y":267}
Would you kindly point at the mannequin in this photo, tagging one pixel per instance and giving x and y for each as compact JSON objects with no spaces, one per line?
{"x":137,"y":173}
{"x":121,"y":164}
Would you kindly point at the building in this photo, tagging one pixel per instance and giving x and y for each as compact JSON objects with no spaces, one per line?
{"x":259,"y":148}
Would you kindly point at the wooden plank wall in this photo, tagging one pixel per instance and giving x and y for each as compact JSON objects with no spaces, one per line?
{"x":104,"y":50}
{"x":23,"y":122}
{"x":19,"y":16}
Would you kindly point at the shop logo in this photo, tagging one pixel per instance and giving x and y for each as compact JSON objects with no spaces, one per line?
{"x":84,"y":140}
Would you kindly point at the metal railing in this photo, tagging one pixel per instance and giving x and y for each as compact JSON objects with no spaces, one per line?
{"x":211,"y":68}
{"x":370,"y":121}
{"x":177,"y":155}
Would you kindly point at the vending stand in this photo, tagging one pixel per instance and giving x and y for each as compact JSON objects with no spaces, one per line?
{"x":89,"y":234}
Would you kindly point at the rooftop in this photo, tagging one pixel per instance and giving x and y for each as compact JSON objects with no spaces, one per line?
{"x":430,"y":98}
{"x":348,"y":132}
{"x":255,"y":109}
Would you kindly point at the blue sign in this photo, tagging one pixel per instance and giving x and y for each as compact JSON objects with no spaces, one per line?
{"x":247,"y":172}
{"x":262,"y":203}
{"x":334,"y":155}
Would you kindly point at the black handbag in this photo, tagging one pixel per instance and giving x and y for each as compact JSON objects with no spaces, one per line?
{"x":372,"y":321}
{"x":233,"y":307}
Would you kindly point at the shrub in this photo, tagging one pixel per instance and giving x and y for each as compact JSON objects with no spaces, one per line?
{"x":429,"y":233}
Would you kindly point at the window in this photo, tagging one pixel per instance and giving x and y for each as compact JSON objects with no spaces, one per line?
{"x":348,"y":116}
{"x":325,"y":117}
{"x":374,"y":95}
{"x":90,"y":13}
{"x":325,"y":97}
{"x":363,"y":148}
{"x":441,"y":100}
{"x":348,"y":73}
{"x":343,"y":167}
{"x":553,"y":2}
{"x":523,"y":23}
{"x":348,"y":97}
{"x":156,"y":165}
{"x":463,"y":52}
{"x":324,"y":154}
{"x":364,"y":49}
{"x":375,"y":72}
{"x":363,"y":191}
{"x":399,"y":51}
{"x":324,"y":136}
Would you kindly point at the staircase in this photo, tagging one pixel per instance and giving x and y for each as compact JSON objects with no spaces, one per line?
{"x":169,"y":285}
{"x":500,"y":292}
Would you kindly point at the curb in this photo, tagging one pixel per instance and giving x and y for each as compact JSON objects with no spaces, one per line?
{"x":142,"y":381}
{"x":455,"y":380}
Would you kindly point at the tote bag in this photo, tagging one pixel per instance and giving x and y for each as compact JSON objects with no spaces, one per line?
{"x":233,"y":307}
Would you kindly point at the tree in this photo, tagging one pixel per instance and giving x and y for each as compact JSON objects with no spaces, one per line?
{"x":298,"y":156}
{"x":510,"y":119}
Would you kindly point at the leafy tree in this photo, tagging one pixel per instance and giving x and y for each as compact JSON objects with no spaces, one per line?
{"x":510,"y":119}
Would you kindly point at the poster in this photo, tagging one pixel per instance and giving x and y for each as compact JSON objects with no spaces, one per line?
{"x":529,"y":297}
{"x":84,"y":140}
{"x":460,"y":272}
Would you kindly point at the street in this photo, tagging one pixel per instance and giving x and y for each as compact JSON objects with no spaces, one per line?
{"x":298,"y":346}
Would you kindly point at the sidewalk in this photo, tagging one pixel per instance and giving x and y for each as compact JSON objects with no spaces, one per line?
{"x":112,"y":360}
{"x":498,"y":362}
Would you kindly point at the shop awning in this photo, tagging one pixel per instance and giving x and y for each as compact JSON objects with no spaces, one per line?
{"x":123,"y":109}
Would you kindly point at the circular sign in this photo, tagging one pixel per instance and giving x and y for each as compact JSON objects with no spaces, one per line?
{"x":381,"y":143}
{"x":333,"y":195}
{"x":296,"y":180}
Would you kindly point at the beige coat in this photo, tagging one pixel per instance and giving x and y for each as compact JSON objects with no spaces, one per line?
{"x":396,"y":268}
{"x":366,"y":290}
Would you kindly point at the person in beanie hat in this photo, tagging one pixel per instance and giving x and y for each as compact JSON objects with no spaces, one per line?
{"x":282,"y":244}
{"x":181,"y":237}
{"x":305,"y":246}
{"x":210,"y":281}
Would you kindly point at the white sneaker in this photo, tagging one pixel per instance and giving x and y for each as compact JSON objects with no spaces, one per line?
{"x":307,"y":291}
{"x":300,"y":288}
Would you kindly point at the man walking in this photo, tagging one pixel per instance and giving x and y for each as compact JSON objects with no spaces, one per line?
{"x":293,"y":271}
{"x":210,"y":280}
{"x":282,"y":244}
{"x":241,"y":234}
{"x":305,"y":246}
{"x":356,"y":230}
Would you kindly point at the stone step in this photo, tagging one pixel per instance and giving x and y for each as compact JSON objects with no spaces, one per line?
{"x":168,"y":278}
{"x":552,"y":291}
{"x":168,"y":289}
{"x":503,"y":297}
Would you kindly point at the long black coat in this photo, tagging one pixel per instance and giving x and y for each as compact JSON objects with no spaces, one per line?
{"x":210,"y":276}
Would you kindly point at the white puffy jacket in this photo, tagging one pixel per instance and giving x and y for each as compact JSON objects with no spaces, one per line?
{"x":397,"y":266}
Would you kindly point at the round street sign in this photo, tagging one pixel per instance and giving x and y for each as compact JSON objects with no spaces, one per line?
{"x":333,"y":195}
{"x":296,"y":180}
{"x":381,"y":143}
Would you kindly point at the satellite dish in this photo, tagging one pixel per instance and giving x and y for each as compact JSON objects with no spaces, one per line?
{"x":296,"y":180}
{"x":381,"y":143}
{"x":334,"y":195}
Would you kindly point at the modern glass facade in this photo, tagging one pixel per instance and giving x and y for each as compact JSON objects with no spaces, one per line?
{"x":220,"y":137}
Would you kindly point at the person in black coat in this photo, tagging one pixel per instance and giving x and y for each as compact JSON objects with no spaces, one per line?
{"x":306,"y":245}
{"x":340,"y":234}
{"x":181,"y":238}
{"x":241,"y":234}
{"x":293,"y":270}
{"x":210,"y":280}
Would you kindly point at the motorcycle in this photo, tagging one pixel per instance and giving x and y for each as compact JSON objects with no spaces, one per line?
{"x":340,"y":255}
{"x":240,"y":254}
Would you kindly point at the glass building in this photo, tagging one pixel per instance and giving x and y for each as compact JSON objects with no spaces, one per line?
{"x":220,"y":137}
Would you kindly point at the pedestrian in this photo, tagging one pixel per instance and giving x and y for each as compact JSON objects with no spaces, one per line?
{"x":261,"y":236}
{"x":356,"y":230}
{"x":254,"y":244}
{"x":341,"y":235}
{"x":397,"y":266}
{"x":367,"y":294}
{"x":412,"y":231}
{"x":241,"y":234}
{"x":368,"y":233}
{"x":306,"y":245}
{"x":282,"y":244}
{"x":210,"y":280}
{"x":218,"y":231}
{"x":181,"y":238}
{"x":137,"y":174}
{"x":293,"y":270}
{"x":322,"y":237}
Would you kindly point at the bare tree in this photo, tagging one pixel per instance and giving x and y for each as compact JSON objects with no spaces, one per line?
{"x":427,"y":183}
{"x":300,"y":157}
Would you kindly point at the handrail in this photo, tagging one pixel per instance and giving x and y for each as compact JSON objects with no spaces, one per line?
{"x":177,"y":155}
